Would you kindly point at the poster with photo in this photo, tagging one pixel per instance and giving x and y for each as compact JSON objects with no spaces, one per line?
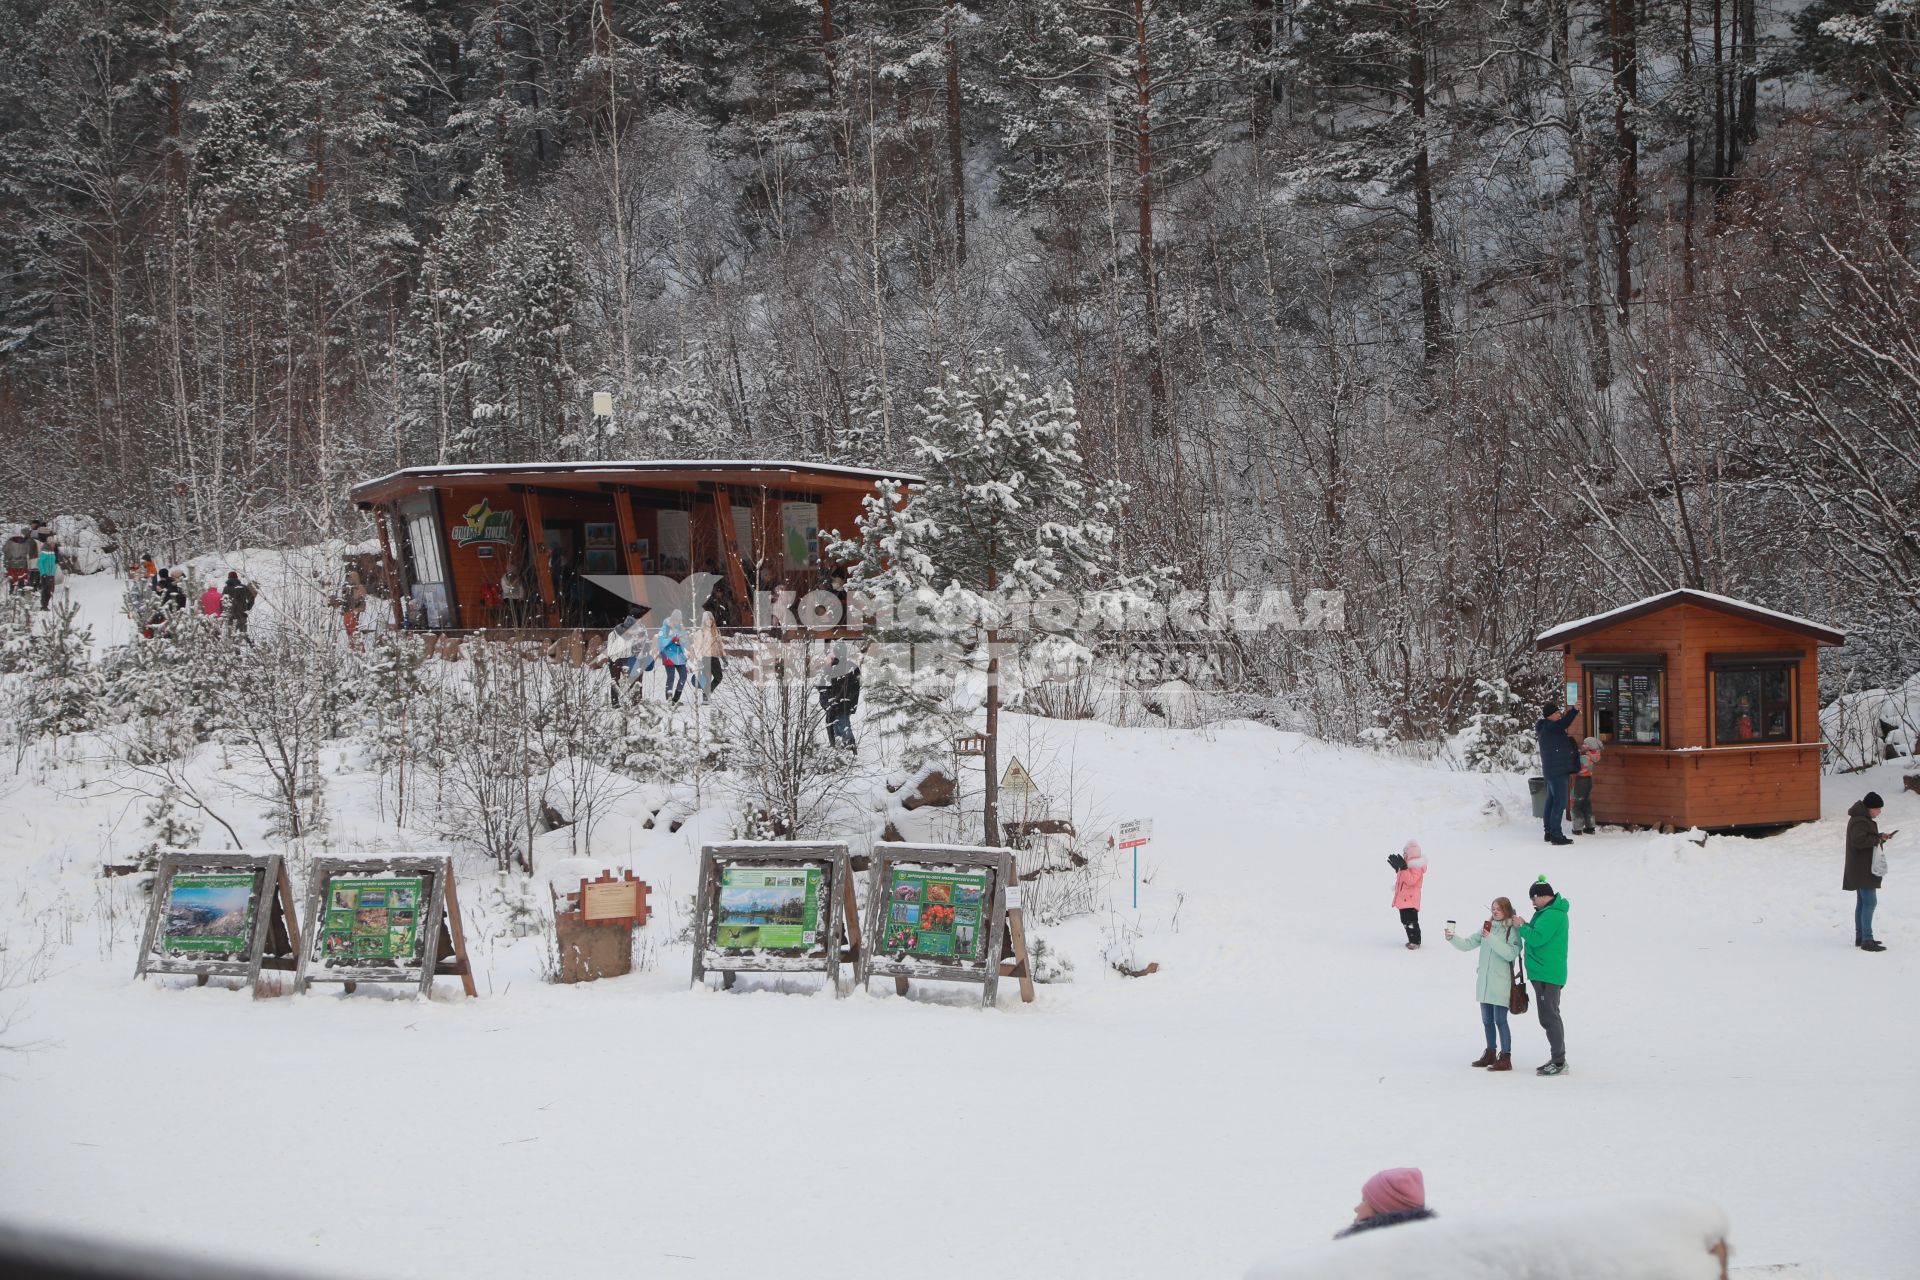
{"x":208,"y":914}
{"x":800,"y":527}
{"x":935,"y":914}
{"x":373,"y":919}
{"x":770,"y":908}
{"x":600,"y":535}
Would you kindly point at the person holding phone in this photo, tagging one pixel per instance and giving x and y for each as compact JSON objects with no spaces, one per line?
{"x":1866,"y":863}
{"x":1493,"y":983}
{"x":1559,"y":760}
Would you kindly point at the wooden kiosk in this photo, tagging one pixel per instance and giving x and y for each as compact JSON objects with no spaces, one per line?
{"x":1707,"y":710}
{"x":450,"y":535}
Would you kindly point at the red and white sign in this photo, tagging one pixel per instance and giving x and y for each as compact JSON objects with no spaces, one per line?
{"x":1133,"y":833}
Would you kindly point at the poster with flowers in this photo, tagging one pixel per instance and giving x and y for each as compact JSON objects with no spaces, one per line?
{"x":935,"y":914}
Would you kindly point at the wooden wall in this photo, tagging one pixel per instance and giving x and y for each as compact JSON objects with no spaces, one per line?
{"x":1686,"y":782}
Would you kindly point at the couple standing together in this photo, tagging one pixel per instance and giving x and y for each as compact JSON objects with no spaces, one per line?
{"x":1501,"y":940}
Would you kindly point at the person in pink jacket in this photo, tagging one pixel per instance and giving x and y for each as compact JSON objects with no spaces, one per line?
{"x":211,"y":602}
{"x":1410,"y":868}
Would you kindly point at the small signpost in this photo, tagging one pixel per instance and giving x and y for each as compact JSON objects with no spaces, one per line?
{"x":220,"y":915}
{"x":774,"y":906}
{"x":949,"y":913}
{"x":1132,"y":834}
{"x":594,"y":927}
{"x":383,"y":920}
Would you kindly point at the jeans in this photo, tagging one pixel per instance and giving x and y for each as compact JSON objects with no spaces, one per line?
{"x":840,"y":729}
{"x":1583,"y":802}
{"x":1493,"y":1017}
{"x":1556,"y":804}
{"x":1546,"y":999}
{"x":676,"y":680}
{"x":1864,"y":901}
{"x":1410,"y":921}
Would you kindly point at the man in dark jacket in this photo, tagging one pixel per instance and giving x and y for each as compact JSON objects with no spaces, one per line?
{"x":1559,"y":758}
{"x":239,"y":601}
{"x":840,"y":696}
{"x":1865,"y":865}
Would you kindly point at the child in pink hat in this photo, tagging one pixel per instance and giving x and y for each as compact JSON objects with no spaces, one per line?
{"x":1388,"y":1197}
{"x":1410,"y":868}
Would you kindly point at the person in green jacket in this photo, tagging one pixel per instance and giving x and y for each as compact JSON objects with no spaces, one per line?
{"x":1494,"y":984}
{"x":1545,"y":938}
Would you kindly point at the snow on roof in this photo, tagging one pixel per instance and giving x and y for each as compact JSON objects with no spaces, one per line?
{"x":639,"y":464}
{"x":1686,"y":595}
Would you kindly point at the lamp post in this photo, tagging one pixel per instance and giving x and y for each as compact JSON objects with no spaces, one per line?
{"x":603,"y":411}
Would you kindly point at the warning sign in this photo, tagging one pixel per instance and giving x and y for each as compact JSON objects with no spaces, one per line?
{"x":1016,"y":778}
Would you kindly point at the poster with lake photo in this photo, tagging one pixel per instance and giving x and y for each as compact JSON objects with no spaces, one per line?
{"x":770,"y":908}
{"x":208,"y":914}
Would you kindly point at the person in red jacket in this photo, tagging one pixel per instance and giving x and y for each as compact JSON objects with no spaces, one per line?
{"x":1410,"y":868}
{"x":211,"y":602}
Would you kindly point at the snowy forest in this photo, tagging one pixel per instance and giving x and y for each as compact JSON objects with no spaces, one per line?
{"x":1486,"y":315}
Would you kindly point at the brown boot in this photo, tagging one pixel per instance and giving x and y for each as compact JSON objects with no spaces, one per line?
{"x":1484,"y":1060}
{"x":1503,"y":1063}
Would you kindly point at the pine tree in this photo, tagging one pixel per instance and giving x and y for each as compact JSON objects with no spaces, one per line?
{"x":1004,"y":513}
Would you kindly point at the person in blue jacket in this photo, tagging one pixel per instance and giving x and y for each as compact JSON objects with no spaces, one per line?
{"x":1559,"y":759}
{"x":672,"y":647}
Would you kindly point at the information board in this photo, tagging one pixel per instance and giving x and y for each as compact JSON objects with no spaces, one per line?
{"x":384,"y":920}
{"x":940,"y":912}
{"x":220,"y":915}
{"x":768,"y":906}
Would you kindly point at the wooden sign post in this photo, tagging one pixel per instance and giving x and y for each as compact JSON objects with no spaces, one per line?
{"x":594,"y":927}
{"x":383,"y":920}
{"x":774,"y":906}
{"x":950,"y":913}
{"x":220,"y":915}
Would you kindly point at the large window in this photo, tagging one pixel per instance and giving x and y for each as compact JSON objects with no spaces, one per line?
{"x":1625,"y":705}
{"x":1752,"y":704}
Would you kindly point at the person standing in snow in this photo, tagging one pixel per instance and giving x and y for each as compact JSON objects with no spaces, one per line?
{"x":1410,"y":869}
{"x":18,"y":554}
{"x":211,"y":601}
{"x":1558,"y":761}
{"x":1582,"y":804}
{"x":1866,"y":863}
{"x":1545,"y":942}
{"x":47,"y":563}
{"x":672,"y":646}
{"x":840,"y":696}
{"x":239,"y":601}
{"x":1493,"y":982}
{"x":1389,"y":1197}
{"x":624,"y":643}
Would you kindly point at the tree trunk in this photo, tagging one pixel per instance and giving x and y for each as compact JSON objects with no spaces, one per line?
{"x":1692,"y":162}
{"x":1626,"y":199}
{"x":1599,"y":351}
{"x":956,"y":158}
{"x":1143,"y":132}
{"x":1433,"y":319}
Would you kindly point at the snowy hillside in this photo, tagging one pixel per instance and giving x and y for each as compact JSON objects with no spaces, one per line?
{"x":1726,"y":1043}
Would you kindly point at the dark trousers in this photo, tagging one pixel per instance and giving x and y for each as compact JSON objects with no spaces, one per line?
{"x":46,"y":590}
{"x":840,"y":728}
{"x":1410,"y":921}
{"x":676,"y":680}
{"x":715,"y":669}
{"x":1583,"y":802}
{"x":1556,"y":804}
{"x":1546,"y":1002}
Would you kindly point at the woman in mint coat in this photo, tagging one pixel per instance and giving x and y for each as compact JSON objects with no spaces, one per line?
{"x":1494,"y":984}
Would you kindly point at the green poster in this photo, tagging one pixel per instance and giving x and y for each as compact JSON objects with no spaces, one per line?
{"x":209,"y":913}
{"x":374,"y":919}
{"x":937,"y":914}
{"x":770,"y":908}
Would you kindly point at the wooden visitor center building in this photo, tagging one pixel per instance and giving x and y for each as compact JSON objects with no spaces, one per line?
{"x":1707,"y":710}
{"x":518,"y":544}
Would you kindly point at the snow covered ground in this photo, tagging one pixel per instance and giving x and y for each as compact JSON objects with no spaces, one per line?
{"x":1726,"y":1043}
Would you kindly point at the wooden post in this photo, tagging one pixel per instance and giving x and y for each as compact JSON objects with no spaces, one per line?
{"x":730,"y":549}
{"x":459,"y":933}
{"x":629,"y":531}
{"x":542,"y":565}
{"x":381,"y":516}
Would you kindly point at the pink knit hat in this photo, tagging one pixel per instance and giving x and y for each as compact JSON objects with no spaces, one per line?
{"x":1395,"y":1190}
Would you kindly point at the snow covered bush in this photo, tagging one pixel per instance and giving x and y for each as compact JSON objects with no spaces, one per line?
{"x":1498,"y":737}
{"x":58,"y":689}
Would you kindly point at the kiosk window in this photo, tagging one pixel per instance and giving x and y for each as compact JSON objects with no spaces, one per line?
{"x":1752,"y":704}
{"x":1626,"y":705}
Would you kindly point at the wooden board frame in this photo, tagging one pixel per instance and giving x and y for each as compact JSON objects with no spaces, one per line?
{"x":843,"y":917}
{"x":1006,"y":930}
{"x":275,"y":940}
{"x":443,"y":942}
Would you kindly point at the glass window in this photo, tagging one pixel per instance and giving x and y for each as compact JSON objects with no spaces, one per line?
{"x":1626,"y":705}
{"x":1752,"y":704}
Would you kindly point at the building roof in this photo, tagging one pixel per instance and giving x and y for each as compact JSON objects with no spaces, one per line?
{"x":723,"y":470}
{"x":1554,"y":637}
